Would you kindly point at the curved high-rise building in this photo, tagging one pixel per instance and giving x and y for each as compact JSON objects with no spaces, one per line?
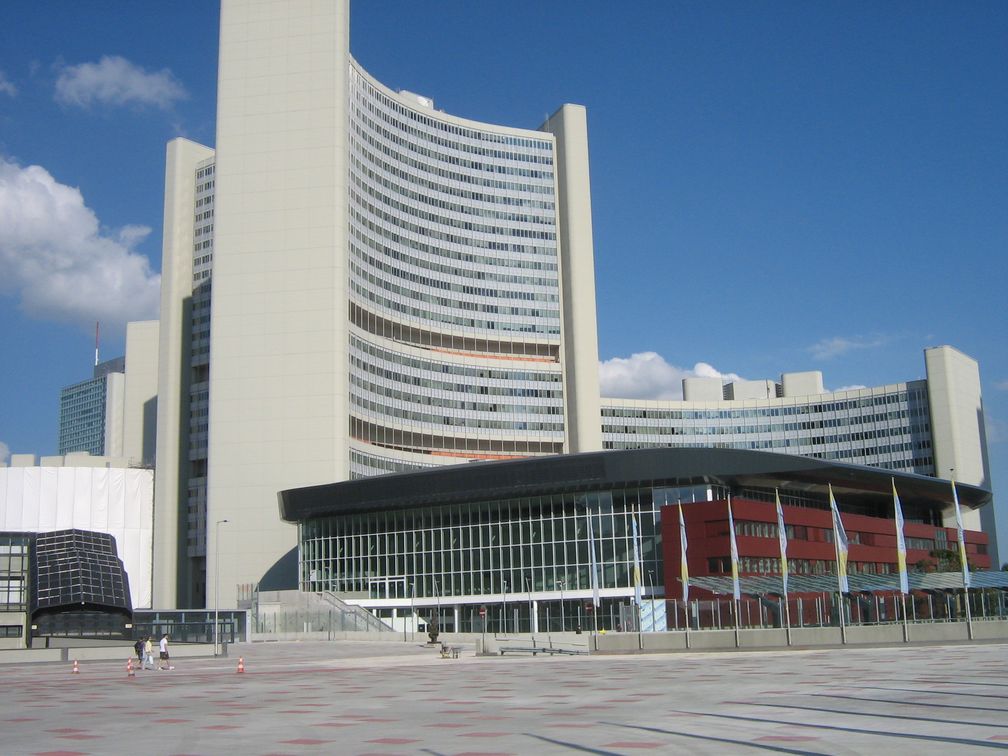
{"x":392,"y":288}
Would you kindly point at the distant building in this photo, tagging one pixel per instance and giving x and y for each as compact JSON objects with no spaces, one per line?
{"x":114,"y":413}
{"x":91,"y":411}
{"x":932,"y":426}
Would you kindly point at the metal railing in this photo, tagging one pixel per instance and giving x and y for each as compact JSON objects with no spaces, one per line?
{"x":823,"y":610}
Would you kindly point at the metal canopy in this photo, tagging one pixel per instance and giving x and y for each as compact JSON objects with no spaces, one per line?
{"x":597,"y":471}
{"x":759,"y":585}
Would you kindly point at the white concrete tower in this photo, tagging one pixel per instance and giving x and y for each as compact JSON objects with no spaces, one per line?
{"x":393,"y":288}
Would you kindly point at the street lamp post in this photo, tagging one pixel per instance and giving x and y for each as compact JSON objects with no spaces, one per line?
{"x":651,"y":578}
{"x":216,"y":611}
{"x":437,"y":594}
{"x":412,"y":611}
{"x":528,"y":578}
{"x":504,"y":606}
{"x":560,"y":585}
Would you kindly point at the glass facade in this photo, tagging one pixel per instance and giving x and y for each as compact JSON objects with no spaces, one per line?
{"x":535,"y":548}
{"x":78,"y":568}
{"x":887,"y":427}
{"x":82,"y":417}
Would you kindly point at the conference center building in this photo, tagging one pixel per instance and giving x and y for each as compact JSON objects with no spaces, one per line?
{"x":592,"y":541}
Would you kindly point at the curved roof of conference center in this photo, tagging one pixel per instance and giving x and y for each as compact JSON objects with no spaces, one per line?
{"x":600,"y":471}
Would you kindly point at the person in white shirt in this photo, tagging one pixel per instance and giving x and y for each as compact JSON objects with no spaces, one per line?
{"x":164,"y":662}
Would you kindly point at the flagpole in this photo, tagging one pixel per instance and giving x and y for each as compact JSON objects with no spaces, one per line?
{"x":684,"y":572}
{"x":782,"y":539}
{"x":963,"y":564}
{"x":736,"y":591}
{"x":906,"y":626}
{"x":840,"y":570}
{"x":637,"y":580}
{"x":901,"y":559}
{"x":593,"y":565}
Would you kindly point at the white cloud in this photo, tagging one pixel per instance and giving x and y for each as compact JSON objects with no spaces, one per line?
{"x":6,"y":86}
{"x":826,"y":349}
{"x":852,"y":387}
{"x":57,"y":259}
{"x":1001,"y":385}
{"x":113,"y":80}
{"x":4,"y":452}
{"x":646,"y":375}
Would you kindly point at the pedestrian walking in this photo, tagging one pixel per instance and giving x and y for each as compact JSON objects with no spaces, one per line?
{"x":165,"y":661}
{"x":148,"y":653}
{"x":139,"y":648}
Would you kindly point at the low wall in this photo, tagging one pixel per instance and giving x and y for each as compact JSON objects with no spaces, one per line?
{"x":99,"y":653}
{"x":29,"y":655}
{"x":990,"y":630}
{"x":810,"y":637}
{"x":801,"y":637}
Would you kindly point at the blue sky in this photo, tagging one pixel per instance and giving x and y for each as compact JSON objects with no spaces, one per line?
{"x":776,"y":186}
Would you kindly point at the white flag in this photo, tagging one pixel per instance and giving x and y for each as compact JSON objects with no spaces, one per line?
{"x":962,"y":541}
{"x":840,"y":541}
{"x":782,"y":537}
{"x":683,"y":568}
{"x":636,"y":563}
{"x":736,"y":590}
{"x":900,"y":542}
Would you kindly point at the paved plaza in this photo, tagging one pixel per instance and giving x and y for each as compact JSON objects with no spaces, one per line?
{"x":385,"y":698}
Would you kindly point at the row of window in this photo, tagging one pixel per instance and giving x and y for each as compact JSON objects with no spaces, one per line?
{"x":483,"y":205}
{"x":766,"y":430}
{"x":396,"y":306}
{"x":437,"y":340}
{"x":525,"y":290}
{"x":772,"y":566}
{"x":474,"y":159}
{"x":371,"y":391}
{"x":420,"y":294}
{"x":400,"y":361}
{"x":428,"y":442}
{"x":380,"y":152}
{"x":465,"y":261}
{"x":466,"y":139}
{"x":917,"y":398}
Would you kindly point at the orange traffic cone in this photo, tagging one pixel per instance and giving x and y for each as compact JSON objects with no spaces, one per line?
{"x":241,"y":664}
{"x":129,"y":669}
{"x":76,"y":668}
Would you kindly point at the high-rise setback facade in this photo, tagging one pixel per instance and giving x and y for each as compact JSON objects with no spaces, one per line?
{"x":392,"y":288}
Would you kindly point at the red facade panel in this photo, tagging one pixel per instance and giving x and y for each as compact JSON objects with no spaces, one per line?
{"x":872,"y":541}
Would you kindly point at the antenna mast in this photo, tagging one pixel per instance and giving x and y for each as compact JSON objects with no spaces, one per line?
{"x":96,"y":343}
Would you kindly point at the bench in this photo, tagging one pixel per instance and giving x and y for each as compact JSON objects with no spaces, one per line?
{"x":538,"y":650}
{"x":519,"y":650}
{"x":450,"y":652}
